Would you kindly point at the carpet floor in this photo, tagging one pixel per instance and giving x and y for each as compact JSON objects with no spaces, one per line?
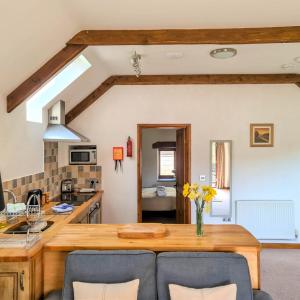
{"x":280,"y":273}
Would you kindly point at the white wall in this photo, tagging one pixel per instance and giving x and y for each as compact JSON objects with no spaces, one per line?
{"x":22,"y":147}
{"x":31,"y":32}
{"x":149,"y":155}
{"x":21,"y":144}
{"x":215,"y":112}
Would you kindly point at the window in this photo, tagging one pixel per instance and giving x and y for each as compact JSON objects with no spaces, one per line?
{"x":35,"y":104}
{"x":166,"y":164}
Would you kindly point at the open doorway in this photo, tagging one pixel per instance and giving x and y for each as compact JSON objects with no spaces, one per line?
{"x":163,"y":167}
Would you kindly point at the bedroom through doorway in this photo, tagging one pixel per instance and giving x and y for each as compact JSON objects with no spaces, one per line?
{"x":163,"y":168}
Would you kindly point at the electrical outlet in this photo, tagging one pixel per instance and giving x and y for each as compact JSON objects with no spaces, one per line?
{"x":227,"y":219}
{"x":202,"y":178}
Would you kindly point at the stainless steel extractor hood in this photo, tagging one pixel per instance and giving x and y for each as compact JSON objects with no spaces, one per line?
{"x":57,"y":131}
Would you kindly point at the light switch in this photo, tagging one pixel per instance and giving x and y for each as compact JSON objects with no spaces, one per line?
{"x":202,"y":177}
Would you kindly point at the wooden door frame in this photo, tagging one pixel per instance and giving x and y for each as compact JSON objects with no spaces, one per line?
{"x":140,"y":127}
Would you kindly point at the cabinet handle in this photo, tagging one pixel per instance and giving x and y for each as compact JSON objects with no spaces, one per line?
{"x":22,"y":280}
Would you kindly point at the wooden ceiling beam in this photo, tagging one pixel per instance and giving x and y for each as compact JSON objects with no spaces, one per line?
{"x":207,"y":79}
{"x":179,"y":80}
{"x":188,"y":36}
{"x":148,"y":37}
{"x":42,"y":75}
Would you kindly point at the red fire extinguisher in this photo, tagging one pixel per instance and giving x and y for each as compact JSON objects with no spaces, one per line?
{"x":129,"y":147}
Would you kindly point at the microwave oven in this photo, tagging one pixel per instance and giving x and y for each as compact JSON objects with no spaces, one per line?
{"x":83,"y":155}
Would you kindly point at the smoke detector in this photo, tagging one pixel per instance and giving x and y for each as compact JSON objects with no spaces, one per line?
{"x":223,"y":53}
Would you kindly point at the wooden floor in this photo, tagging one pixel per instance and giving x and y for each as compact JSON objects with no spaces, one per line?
{"x":280,"y":245}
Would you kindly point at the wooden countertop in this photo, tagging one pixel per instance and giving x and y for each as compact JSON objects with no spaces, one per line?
{"x":20,"y":254}
{"x":179,"y":238}
{"x":219,"y":238}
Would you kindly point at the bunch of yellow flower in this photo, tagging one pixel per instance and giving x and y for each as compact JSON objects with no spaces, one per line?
{"x":206,"y":194}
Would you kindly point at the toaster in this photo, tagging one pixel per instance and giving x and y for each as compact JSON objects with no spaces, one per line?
{"x":67,"y":186}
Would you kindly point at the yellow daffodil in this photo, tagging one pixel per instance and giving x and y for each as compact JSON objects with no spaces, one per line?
{"x":192,"y":192}
{"x":186,"y":186}
{"x":212,"y":191}
{"x":192,"y":195}
{"x":195,"y":187}
{"x":205,"y":188}
{"x":186,"y":190}
{"x":202,"y":200}
{"x":208,"y":197}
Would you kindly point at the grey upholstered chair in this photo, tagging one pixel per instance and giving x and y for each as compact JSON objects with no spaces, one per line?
{"x":110,"y":267}
{"x":199,"y":270}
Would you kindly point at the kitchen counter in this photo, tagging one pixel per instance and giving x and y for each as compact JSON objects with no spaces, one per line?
{"x":20,"y":254}
{"x":224,"y":238}
{"x":63,"y":236}
{"x":180,"y":237}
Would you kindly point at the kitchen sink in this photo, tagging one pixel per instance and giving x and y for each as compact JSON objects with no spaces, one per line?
{"x":22,"y":228}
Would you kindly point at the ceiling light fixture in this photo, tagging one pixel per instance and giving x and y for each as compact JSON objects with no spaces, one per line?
{"x":223,"y":53}
{"x":135,"y":62}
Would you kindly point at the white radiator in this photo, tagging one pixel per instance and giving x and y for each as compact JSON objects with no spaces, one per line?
{"x":267,"y":219}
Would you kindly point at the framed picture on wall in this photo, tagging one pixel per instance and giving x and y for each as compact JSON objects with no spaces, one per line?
{"x":262,"y":135}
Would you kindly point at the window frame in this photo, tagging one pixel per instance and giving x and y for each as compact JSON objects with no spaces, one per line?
{"x":165,"y":177}
{"x":56,"y":85}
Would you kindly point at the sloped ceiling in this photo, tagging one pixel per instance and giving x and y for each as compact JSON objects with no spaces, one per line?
{"x":159,"y":59}
{"x":136,"y":14}
{"x":32,"y":31}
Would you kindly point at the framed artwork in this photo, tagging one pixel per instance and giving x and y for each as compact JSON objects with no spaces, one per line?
{"x":262,"y":135}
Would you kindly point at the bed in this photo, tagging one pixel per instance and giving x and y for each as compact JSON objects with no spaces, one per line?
{"x":152,"y":202}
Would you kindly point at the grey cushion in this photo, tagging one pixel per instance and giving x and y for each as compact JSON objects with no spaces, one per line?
{"x":203,"y":269}
{"x":111,"y":267}
{"x":260,"y":295}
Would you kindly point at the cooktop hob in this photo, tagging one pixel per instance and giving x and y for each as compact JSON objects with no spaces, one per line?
{"x":74,"y":199}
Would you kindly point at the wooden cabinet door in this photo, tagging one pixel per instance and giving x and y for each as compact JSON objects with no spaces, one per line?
{"x":84,"y":220}
{"x":14,"y":281}
{"x":81,"y":219}
{"x":9,"y":285}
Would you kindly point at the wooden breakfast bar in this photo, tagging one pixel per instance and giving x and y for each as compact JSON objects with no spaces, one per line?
{"x":220,"y":238}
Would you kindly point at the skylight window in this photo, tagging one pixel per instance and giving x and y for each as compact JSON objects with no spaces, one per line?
{"x":36,"y":103}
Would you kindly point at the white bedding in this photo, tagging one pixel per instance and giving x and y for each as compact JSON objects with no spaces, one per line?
{"x":151,"y":192}
{"x":151,"y":202}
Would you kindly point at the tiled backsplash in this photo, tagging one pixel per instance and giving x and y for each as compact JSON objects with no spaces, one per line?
{"x":50,"y":179}
{"x":82,"y":175}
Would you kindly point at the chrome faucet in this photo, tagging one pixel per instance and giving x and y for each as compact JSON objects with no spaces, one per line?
{"x":13,"y":195}
{"x":33,"y":212}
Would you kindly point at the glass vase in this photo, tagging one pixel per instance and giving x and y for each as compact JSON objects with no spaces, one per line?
{"x":199,"y":222}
